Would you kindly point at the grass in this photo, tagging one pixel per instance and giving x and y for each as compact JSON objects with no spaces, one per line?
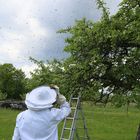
{"x":103,"y":123}
{"x":113,"y":123}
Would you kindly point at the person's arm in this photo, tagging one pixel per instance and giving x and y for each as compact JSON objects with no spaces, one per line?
{"x":60,"y":114}
{"x":64,"y":111}
{"x":16,"y":135}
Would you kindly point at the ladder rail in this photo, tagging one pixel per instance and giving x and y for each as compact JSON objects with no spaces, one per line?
{"x":72,"y":129}
{"x":77,"y":136}
{"x":64,"y":125}
{"x":84,"y":122}
{"x":74,"y":121}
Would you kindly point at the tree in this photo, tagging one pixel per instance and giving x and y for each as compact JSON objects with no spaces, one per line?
{"x":51,"y":72}
{"x":12,"y":81}
{"x":105,"y":53}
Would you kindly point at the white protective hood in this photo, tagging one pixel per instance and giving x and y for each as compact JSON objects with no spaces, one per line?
{"x":40,"y":98}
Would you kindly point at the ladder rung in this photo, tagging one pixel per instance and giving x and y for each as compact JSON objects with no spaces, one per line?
{"x":68,"y":128}
{"x":76,"y":106}
{"x":69,"y":118}
{"x":73,"y":107}
{"x":75,"y":98}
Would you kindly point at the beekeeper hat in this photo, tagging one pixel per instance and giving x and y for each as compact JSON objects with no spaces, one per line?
{"x":40,"y":98}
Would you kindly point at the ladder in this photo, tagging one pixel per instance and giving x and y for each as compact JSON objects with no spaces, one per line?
{"x":70,"y":130}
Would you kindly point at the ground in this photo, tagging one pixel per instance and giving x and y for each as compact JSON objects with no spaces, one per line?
{"x":108,"y":123}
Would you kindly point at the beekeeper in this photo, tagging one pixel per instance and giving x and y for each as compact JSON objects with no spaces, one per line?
{"x":40,"y":120}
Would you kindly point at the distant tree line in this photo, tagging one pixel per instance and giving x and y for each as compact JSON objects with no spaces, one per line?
{"x":104,"y":60}
{"x":12,"y":82}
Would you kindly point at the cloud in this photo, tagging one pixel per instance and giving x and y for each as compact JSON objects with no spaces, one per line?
{"x":113,"y":5}
{"x":20,"y":31}
{"x":28,"y":69}
{"x":28,"y":27}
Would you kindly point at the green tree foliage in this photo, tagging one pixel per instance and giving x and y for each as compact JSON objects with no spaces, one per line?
{"x":12,"y":81}
{"x":104,"y":61}
{"x":105,"y":53}
{"x":51,"y":72}
{"x":3,"y":96}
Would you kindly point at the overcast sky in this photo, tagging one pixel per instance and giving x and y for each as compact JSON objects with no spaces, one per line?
{"x":28,"y":27}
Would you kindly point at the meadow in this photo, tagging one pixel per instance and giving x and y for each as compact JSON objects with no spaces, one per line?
{"x":108,"y":123}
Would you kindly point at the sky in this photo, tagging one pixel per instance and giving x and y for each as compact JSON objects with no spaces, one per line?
{"x":28,"y":28}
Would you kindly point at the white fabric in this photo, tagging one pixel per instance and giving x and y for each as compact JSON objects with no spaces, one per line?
{"x":40,"y":125}
{"x":61,"y":99}
{"x":56,"y":88}
{"x":40,"y":98}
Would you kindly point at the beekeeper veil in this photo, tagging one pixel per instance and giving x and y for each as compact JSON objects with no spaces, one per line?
{"x":40,"y":98}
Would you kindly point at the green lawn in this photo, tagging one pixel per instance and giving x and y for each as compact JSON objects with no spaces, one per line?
{"x":103,"y":123}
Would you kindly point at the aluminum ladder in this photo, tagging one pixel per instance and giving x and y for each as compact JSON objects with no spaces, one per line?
{"x":71,"y":132}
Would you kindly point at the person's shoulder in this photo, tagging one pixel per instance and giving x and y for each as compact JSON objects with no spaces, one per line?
{"x":53,"y":109}
{"x":20,"y":115}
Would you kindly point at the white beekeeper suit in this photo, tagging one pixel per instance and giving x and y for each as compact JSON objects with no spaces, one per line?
{"x":40,"y":121}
